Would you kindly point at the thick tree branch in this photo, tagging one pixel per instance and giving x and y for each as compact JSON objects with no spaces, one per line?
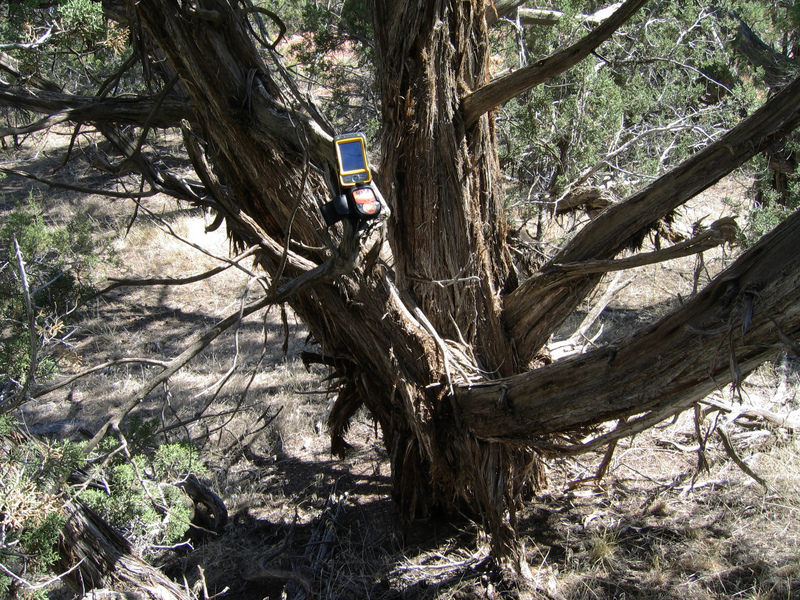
{"x":707,"y":343}
{"x":505,"y":88}
{"x":59,"y":107}
{"x":539,"y":306}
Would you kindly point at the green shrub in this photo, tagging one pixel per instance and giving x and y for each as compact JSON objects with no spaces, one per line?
{"x":58,"y":262}
{"x":142,"y":499}
{"x":137,"y":496}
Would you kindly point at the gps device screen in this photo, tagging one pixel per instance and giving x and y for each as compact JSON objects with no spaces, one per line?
{"x":351,"y":152}
{"x":352,"y":157}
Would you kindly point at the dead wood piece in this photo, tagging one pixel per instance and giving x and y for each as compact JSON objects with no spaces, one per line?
{"x":317,"y":551}
{"x":210,"y":513}
{"x":106,"y":563}
{"x":757,"y":414}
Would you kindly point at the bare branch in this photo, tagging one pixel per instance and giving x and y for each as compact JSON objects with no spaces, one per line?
{"x":719,"y":232}
{"x":175,"y":281}
{"x":731,"y":452}
{"x":21,"y":395}
{"x":30,"y":45}
{"x":505,"y":88}
{"x":106,"y":365}
{"x":78,"y":188}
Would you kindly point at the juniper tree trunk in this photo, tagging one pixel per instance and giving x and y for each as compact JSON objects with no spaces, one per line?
{"x":403,"y":329}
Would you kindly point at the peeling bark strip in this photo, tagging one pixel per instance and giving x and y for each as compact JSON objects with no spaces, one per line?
{"x":542,"y":303}
{"x":741,"y":319}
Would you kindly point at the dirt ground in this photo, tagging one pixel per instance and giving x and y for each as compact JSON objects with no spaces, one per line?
{"x":656,"y":526}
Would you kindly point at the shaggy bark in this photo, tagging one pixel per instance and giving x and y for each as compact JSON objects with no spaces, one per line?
{"x":94,"y":557}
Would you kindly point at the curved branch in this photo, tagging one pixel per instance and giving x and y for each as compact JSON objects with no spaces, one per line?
{"x":43,"y":391}
{"x":505,"y":88}
{"x":658,"y":371}
{"x":78,"y":188}
{"x":117,"y":283}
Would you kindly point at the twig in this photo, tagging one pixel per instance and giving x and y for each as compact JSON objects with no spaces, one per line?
{"x":113,"y":363}
{"x":20,"y":46}
{"x":22,"y":396}
{"x":729,"y":449}
{"x":753,"y":412}
{"x":232,"y":262}
{"x":174,"y":281}
{"x":39,"y":586}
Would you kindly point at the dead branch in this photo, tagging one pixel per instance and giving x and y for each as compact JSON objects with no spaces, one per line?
{"x":568,"y":346}
{"x":755,"y":413}
{"x":318,"y":549}
{"x":42,"y":391}
{"x":731,"y":452}
{"x":20,"y":396}
{"x":322,"y":273}
{"x":210,"y":513}
{"x":42,"y":39}
{"x":719,"y":232}
{"x":503,"y":89}
{"x":77,"y":188}
{"x":118,"y":283}
{"x":105,"y":558}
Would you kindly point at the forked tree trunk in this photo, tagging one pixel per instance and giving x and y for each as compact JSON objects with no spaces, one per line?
{"x":432,"y":334}
{"x":402,"y":334}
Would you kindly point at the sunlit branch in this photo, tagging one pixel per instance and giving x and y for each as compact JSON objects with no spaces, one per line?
{"x":504,"y":88}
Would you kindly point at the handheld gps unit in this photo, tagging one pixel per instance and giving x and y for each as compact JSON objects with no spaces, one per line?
{"x":359,"y":199}
{"x":351,"y":154}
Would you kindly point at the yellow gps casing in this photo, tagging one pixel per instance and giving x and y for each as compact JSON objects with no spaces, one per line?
{"x":351,"y":155}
